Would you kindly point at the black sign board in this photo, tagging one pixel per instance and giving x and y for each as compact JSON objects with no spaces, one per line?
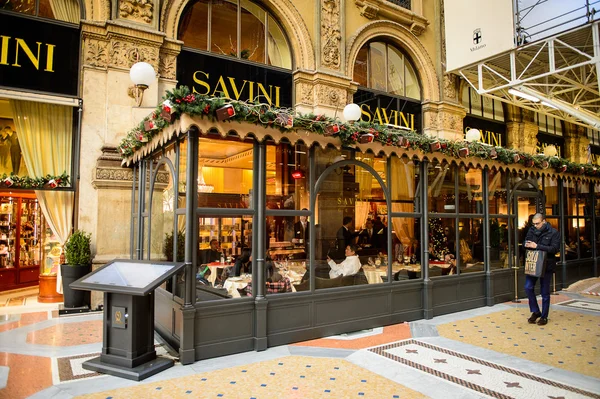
{"x":492,"y":133}
{"x":595,"y":154}
{"x":544,"y":140}
{"x":38,"y":55}
{"x":386,"y":110}
{"x":220,"y":76}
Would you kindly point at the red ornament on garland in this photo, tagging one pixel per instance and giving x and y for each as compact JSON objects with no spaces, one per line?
{"x":493,"y":153}
{"x":206,"y":109}
{"x":581,"y":170}
{"x":8,"y":182}
{"x":225,"y":112}
{"x":435,"y":146}
{"x":366,"y":138}
{"x":331,"y":130}
{"x":52,"y":183}
{"x":529,"y":163}
{"x":516,"y":158}
{"x":463,"y":152}
{"x":561,"y":169}
{"x":545,"y":164}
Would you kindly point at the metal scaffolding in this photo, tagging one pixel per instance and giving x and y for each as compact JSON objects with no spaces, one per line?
{"x":555,"y":75}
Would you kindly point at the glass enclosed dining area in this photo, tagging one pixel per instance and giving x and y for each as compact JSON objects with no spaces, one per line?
{"x":291,"y":240}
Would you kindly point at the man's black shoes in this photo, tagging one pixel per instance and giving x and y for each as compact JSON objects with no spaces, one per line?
{"x":542,"y":322}
{"x":534,"y":317}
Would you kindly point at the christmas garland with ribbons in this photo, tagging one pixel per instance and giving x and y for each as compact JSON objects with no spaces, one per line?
{"x":46,"y":182}
{"x":181,"y":101}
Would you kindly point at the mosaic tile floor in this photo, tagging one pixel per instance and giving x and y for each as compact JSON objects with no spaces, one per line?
{"x":569,"y":341}
{"x":287,"y":377}
{"x":485,"y":352}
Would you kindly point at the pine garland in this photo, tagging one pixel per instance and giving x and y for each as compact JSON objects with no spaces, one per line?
{"x":49,"y":181}
{"x":181,"y":101}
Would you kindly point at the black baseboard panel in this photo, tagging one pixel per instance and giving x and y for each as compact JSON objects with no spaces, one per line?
{"x":458,"y":306}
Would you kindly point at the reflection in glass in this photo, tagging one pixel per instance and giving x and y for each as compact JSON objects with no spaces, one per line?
{"x":287,"y":177}
{"x":361,"y":68}
{"x":224,"y":29}
{"x":192,"y":26}
{"x":279,"y":53}
{"x":551,"y":193}
{"x":404,"y":185}
{"x":498,"y":243}
{"x":442,"y":247}
{"x":470,"y":188}
{"x":497,"y":192}
{"x":125,"y":274}
{"x":377,"y":68}
{"x":441,"y":191}
{"x":395,"y":71}
{"x":406,"y":249}
{"x":470,"y":245}
{"x":253,"y":28}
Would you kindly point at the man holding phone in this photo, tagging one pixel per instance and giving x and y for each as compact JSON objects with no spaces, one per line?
{"x":543,"y":237}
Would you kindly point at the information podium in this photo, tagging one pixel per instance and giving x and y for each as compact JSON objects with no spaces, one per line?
{"x":128,"y":336}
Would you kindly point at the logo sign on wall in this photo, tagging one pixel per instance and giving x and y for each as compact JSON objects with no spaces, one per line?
{"x":492,"y":133}
{"x":476,"y":29}
{"x":216,"y":76}
{"x":386,"y":110}
{"x":38,"y":55}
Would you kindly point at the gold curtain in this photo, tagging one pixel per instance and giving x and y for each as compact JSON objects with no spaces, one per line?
{"x":364,"y":179}
{"x":66,"y":10}
{"x":45,"y":133}
{"x":403,"y":189}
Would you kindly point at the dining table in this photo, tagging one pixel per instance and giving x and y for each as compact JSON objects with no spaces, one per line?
{"x":213,"y":266}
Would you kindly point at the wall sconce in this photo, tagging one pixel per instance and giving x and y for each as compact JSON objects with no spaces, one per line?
{"x":473,"y":135}
{"x":142,"y":75}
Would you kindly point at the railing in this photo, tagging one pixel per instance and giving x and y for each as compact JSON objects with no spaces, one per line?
{"x":401,"y":3}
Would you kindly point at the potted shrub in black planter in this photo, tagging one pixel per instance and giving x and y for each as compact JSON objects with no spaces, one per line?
{"x":78,"y":256}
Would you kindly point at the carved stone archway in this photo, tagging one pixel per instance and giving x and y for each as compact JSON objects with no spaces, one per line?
{"x":289,"y":17}
{"x":407,"y":41}
{"x":97,"y":10}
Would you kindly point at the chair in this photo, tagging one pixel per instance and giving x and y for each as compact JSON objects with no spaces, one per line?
{"x":303,"y":286}
{"x":328,"y":282}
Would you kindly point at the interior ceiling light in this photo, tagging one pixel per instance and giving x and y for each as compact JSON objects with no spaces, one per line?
{"x":523,"y":95}
{"x":549,"y":105}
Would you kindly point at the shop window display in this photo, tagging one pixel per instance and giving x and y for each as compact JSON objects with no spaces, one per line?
{"x":62,"y":10}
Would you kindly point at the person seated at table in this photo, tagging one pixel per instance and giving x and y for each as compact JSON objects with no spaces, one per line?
{"x":350,"y":266}
{"x":212,"y":254}
{"x":451,"y":260}
{"x":243,"y":264}
{"x":202,"y":275}
{"x":275,"y":284}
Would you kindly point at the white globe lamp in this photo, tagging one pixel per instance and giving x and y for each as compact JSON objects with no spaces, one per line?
{"x":550,"y":151}
{"x":352,"y":112}
{"x":142,"y":75}
{"x":473,"y":135}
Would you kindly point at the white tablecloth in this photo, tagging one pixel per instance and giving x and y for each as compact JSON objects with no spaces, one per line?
{"x":232,"y":285}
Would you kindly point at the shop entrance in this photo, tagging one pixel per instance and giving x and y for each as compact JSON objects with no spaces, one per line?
{"x":525,"y":198}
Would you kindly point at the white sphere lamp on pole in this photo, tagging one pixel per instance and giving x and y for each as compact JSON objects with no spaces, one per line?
{"x":550,"y":151}
{"x":352,"y":112}
{"x":142,"y":75}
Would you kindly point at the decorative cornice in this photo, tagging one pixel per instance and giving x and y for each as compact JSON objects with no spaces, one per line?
{"x":121,"y":178}
{"x":372,"y":9}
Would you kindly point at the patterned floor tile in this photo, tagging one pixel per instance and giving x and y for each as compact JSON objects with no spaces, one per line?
{"x":586,"y":305}
{"x":27,"y":375}
{"x":68,"y":334}
{"x":70,"y":368}
{"x":569,"y":341}
{"x":390,"y":334}
{"x":23,"y":320}
{"x":476,"y":374}
{"x":283,"y":378}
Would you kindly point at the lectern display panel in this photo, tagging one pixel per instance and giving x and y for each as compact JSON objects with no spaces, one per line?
{"x":134,"y":277}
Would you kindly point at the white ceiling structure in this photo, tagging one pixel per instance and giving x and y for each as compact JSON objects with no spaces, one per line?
{"x":551,"y":73}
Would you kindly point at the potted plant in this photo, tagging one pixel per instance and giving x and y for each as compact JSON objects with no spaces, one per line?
{"x":78,"y":256}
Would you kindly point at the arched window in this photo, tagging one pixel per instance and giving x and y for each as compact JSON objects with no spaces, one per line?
{"x":381,"y":66}
{"x":236,"y":28}
{"x":61,"y":10}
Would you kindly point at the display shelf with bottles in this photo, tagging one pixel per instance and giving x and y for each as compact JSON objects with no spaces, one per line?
{"x":232,"y":233}
{"x":21,"y":226}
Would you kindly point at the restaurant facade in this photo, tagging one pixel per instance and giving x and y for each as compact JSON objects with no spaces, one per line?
{"x":257,"y":142}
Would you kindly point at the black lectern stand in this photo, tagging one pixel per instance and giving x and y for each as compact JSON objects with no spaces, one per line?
{"x":128,"y":343}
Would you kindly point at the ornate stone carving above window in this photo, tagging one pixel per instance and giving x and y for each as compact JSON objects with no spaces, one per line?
{"x":144,"y":12}
{"x":373,"y":9}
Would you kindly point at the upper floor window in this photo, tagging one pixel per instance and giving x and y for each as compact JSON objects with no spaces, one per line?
{"x":548,"y":124}
{"x":486,"y":107}
{"x":383,"y":67}
{"x":62,"y":10}
{"x":236,"y":28}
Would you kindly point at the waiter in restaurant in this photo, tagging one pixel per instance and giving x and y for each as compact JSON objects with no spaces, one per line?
{"x":212,"y":254}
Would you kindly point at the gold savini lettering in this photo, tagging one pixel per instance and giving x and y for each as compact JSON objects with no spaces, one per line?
{"x":235,"y":89}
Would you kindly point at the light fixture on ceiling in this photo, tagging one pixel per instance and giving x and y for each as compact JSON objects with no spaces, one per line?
{"x":473,"y":135}
{"x":547,"y":104}
{"x":142,"y":75}
{"x":523,"y":95}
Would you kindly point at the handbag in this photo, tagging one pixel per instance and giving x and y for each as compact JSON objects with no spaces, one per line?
{"x":535,"y":263}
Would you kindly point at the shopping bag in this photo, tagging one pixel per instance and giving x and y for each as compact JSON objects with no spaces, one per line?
{"x":535,"y":263}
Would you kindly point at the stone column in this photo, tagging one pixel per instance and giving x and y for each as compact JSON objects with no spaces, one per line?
{"x":322,"y":93}
{"x":576,"y":143}
{"x":521,"y":129}
{"x":443,"y":120}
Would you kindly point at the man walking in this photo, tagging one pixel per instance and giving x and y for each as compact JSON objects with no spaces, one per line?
{"x":543,"y":237}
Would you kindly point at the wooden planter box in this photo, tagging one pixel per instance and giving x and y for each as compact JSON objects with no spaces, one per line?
{"x":48,"y":292}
